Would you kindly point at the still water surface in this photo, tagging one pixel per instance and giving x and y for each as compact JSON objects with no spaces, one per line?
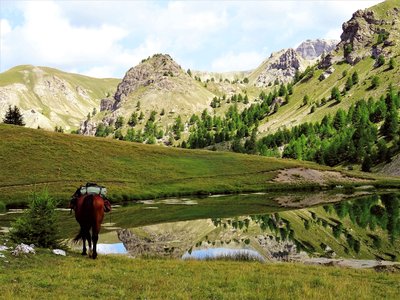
{"x":360,"y":225}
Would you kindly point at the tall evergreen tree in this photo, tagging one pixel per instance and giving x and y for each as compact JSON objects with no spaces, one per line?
{"x":335,"y":94}
{"x":391,"y":125}
{"x":13,"y":116}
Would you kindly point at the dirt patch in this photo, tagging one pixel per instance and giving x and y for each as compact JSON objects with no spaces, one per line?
{"x":303,"y":175}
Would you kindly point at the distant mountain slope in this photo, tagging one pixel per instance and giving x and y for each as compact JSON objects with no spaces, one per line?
{"x":370,"y":37}
{"x":282,"y":66}
{"x":157,"y":84}
{"x":50,"y":97}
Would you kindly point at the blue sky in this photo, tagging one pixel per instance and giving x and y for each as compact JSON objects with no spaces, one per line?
{"x":106,"y":38}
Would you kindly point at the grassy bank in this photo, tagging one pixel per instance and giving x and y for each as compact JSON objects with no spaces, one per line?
{"x":31,"y":159}
{"x":47,"y":276}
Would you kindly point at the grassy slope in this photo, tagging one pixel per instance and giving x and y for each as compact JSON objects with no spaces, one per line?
{"x":53,"y":100}
{"x":110,"y":277}
{"x":294,"y":113}
{"x":97,"y":86}
{"x":129,"y":170}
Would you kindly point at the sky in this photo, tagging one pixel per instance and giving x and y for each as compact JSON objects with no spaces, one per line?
{"x":106,"y":38}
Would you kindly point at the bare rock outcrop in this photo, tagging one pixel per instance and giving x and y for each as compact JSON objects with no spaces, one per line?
{"x":358,"y":36}
{"x":288,"y":60}
{"x":156,"y":71}
{"x":312,"y":49}
{"x":88,"y":127}
{"x":282,"y":66}
{"x":106,"y":104}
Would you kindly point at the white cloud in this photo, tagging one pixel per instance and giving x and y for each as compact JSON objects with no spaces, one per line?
{"x":47,"y":37}
{"x":107,"y":38}
{"x":333,"y":34}
{"x":237,"y":61}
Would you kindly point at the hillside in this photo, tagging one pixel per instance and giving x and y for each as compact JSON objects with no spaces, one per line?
{"x":157,"y":84}
{"x":368,"y":35}
{"x":158,"y":102}
{"x":62,"y":162}
{"x":48,"y":97}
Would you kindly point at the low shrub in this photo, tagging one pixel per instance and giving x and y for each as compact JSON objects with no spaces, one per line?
{"x":38,"y":225}
{"x":2,"y":207}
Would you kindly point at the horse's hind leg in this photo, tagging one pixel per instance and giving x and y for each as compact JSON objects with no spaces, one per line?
{"x":89,"y":238}
{"x":84,"y":238}
{"x":95,"y":238}
{"x":84,"y":245}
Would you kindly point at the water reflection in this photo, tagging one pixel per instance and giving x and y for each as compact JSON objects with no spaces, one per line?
{"x":366,"y":228}
{"x":117,"y":248}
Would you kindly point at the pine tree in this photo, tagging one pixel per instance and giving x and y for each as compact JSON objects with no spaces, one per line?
{"x":366,"y":164}
{"x":119,"y":123}
{"x":349,"y":84}
{"x":354,"y":77}
{"x":391,"y":125}
{"x":375,"y":82}
{"x":392,"y":63}
{"x":133,"y":120}
{"x":335,"y":94}
{"x":13,"y":116}
{"x":381,"y":60}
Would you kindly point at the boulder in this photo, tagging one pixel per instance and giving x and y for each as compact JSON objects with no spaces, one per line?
{"x":23,"y":249}
{"x":59,"y":252}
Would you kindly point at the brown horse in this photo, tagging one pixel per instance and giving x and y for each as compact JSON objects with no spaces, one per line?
{"x":89,"y":212}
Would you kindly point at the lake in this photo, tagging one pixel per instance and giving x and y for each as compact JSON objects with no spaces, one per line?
{"x":360,"y":224}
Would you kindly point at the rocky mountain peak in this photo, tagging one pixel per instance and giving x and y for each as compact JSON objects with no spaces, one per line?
{"x":156,"y":71}
{"x":282,"y":65}
{"x":289,"y":59}
{"x":312,"y":49}
{"x":358,"y":39}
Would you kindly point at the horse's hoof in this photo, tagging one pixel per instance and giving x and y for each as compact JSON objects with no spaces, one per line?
{"x":94,"y":256}
{"x":83,"y":253}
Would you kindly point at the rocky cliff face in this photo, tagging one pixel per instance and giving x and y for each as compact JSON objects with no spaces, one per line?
{"x":366,"y":34}
{"x":282,"y":66}
{"x":312,"y":49}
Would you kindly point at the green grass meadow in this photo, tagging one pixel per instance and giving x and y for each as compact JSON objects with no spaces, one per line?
{"x":113,"y":277}
{"x":33,"y":159}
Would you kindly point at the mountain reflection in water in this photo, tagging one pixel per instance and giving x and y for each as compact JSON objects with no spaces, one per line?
{"x":365,"y":228}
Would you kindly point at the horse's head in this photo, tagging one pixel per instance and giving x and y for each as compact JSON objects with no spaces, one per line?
{"x":74,"y":198}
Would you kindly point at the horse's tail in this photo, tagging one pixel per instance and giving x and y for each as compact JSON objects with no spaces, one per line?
{"x":78,"y":237}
